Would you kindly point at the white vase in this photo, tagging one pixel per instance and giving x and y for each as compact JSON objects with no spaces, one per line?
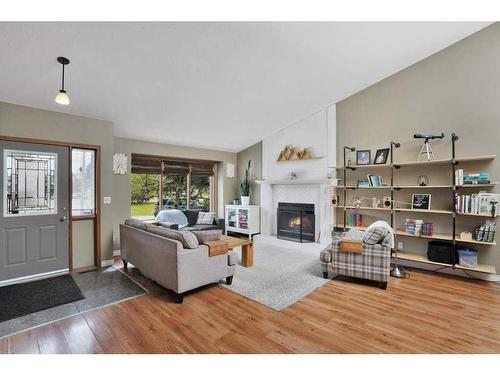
{"x":245,"y":200}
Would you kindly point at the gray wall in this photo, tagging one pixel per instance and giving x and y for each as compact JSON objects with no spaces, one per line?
{"x":456,"y":90}
{"x":253,"y":153}
{"x":20,"y":121}
{"x":227,"y":187}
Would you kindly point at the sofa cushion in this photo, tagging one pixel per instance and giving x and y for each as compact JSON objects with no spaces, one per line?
{"x":232,"y":258}
{"x":375,"y":235}
{"x":136,"y":223}
{"x":199,"y":227}
{"x":186,"y":238}
{"x":172,"y":216}
{"x":207,"y":235}
{"x":205,"y":218}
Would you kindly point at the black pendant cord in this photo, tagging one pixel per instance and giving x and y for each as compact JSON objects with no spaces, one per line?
{"x":63,"y":78}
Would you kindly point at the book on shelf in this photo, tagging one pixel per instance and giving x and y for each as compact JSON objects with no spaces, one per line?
{"x":414,"y":226}
{"x":354,"y":219}
{"x":471,"y":178}
{"x":476,"y":204}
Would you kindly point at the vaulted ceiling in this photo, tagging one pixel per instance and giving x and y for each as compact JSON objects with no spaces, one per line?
{"x":212,"y":85}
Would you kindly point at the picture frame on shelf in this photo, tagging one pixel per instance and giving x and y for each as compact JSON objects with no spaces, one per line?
{"x":421,"y":201}
{"x":374,"y":180}
{"x":363,"y":183}
{"x":381,"y":156}
{"x":363,"y":157}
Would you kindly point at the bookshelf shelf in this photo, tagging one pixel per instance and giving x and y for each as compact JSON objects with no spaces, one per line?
{"x":449,"y":164}
{"x":469,"y":159}
{"x":444,"y":212}
{"x":484,"y":268}
{"x":365,"y":208}
{"x":353,"y":187}
{"x":435,"y":236}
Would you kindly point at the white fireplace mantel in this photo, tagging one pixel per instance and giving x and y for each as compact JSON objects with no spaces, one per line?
{"x":295,"y":182}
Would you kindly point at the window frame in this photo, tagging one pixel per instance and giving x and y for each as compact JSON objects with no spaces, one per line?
{"x":213,"y":178}
{"x":94,"y":213}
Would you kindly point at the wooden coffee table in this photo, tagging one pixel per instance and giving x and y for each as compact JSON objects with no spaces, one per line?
{"x":246,"y":248}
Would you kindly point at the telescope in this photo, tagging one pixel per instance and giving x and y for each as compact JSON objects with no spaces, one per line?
{"x":428,"y":136}
{"x":426,"y":151}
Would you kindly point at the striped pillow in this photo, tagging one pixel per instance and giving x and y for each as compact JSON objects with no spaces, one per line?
{"x":206,"y":218}
{"x":375,"y":235}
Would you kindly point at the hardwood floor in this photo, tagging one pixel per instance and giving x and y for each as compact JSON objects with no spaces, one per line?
{"x":427,"y":313}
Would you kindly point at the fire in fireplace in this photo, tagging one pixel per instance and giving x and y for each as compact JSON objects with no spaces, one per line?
{"x":296,"y":222}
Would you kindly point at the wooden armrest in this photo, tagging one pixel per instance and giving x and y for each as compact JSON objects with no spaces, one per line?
{"x":351,"y":246}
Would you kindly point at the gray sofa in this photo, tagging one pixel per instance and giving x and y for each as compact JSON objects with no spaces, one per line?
{"x":167,"y":262}
{"x":192,"y":217}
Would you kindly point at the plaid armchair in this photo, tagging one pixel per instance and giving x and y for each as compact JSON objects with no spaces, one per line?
{"x":373,"y":263}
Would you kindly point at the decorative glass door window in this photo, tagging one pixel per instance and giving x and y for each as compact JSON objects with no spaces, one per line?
{"x":30,"y":183}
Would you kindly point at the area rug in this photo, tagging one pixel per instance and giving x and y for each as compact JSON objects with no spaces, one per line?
{"x":27,"y":298}
{"x":99,"y":288}
{"x":283,"y":272}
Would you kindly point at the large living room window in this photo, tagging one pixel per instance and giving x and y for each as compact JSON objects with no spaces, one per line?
{"x":182,"y":184}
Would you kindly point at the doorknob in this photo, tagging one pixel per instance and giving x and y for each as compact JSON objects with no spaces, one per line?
{"x":63,"y":218}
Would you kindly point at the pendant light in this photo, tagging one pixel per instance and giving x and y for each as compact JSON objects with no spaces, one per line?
{"x":62,"y":97}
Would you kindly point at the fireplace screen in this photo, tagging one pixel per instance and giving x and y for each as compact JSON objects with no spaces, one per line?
{"x":296,"y":222}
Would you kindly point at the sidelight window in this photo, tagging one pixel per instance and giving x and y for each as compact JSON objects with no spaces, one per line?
{"x":83,"y":182}
{"x":30,"y":183}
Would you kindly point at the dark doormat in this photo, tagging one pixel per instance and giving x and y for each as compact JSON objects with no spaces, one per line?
{"x":27,"y":298}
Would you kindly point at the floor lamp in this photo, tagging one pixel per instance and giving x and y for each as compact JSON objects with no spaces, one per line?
{"x":396,"y":272}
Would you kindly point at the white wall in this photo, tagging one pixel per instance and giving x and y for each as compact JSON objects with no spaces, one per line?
{"x":317,"y":132}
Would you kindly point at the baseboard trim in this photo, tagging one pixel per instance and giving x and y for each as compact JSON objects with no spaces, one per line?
{"x":107,"y":262}
{"x":39,"y":276}
{"x":116,"y":253}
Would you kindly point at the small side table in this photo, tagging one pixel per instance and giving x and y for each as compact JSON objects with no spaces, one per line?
{"x":246,"y":248}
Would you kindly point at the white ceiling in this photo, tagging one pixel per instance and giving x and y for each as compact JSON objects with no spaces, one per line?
{"x":212,"y":85}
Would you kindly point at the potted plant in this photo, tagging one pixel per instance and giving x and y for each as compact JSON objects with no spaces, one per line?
{"x":245,"y":187}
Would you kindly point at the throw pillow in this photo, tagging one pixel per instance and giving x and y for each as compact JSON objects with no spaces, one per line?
{"x":207,"y":235}
{"x":206,"y":218}
{"x":186,"y":238}
{"x":172,"y":216}
{"x":375,"y":235}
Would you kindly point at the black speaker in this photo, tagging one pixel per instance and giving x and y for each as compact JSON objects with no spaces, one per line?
{"x":335,"y":200}
{"x":387,"y":202}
